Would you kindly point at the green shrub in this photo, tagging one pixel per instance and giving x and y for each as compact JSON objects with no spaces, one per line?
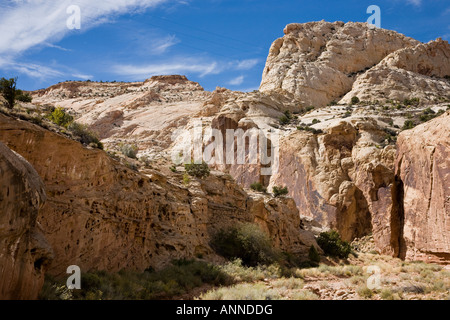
{"x":355,"y":100}
{"x":23,"y":97}
{"x":186,"y":179}
{"x":309,"y":129}
{"x":8,"y":90}
{"x":257,"y":186}
{"x":246,"y":242}
{"x":86,"y":136}
{"x":129,"y":150}
{"x":347,"y":114}
{"x":409,"y":124}
{"x":176,"y":279}
{"x":332,"y":245}
{"x":284,"y":120}
{"x":198,"y":170}
{"x":60,"y":117}
{"x":313,"y":255}
{"x":279,"y":191}
{"x":411,"y":102}
{"x":315,"y":121}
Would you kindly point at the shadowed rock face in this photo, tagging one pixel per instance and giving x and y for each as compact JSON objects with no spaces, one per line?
{"x":101,"y":215}
{"x":24,"y":252}
{"x":423,"y":165}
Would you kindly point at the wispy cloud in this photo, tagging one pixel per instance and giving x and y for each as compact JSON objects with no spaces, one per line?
{"x":175,"y":66}
{"x":31,"y":69}
{"x":183,"y":65}
{"x":416,"y":3}
{"x":245,"y":64}
{"x":28,"y":23}
{"x":236,"y":81}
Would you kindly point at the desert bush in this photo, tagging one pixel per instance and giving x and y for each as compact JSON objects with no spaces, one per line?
{"x":332,"y":245}
{"x":8,"y":90}
{"x":315,"y":121}
{"x":129,"y":150}
{"x":246,"y":242}
{"x":60,"y":117}
{"x":313,"y":255}
{"x":279,"y":191}
{"x":309,"y":129}
{"x":257,"y":186}
{"x":178,"y":278}
{"x":355,"y":100}
{"x":409,"y":124}
{"x":242,"y":291}
{"x":86,"y":136}
{"x":198,"y":170}
{"x":23,"y":97}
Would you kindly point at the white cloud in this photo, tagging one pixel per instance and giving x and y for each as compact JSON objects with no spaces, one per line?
{"x":245,"y":64}
{"x":160,"y":46}
{"x":417,"y":3}
{"x":236,"y":81}
{"x":176,"y":66}
{"x":31,"y":69}
{"x":28,"y":23}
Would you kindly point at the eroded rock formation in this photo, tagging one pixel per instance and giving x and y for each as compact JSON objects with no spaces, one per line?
{"x":101,"y":215}
{"x":24,"y":252}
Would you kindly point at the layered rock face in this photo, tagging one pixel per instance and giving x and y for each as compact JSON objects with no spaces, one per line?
{"x":423,"y":165}
{"x":24,"y":252}
{"x":100,"y":215}
{"x":143,"y":113}
{"x":417,"y":72}
{"x":318,"y":62}
{"x":335,"y":177}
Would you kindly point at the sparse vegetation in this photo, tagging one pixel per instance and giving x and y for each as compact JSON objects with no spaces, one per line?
{"x":313,"y":255}
{"x":257,"y":186}
{"x":246,"y":242}
{"x":355,"y":100}
{"x":198,"y":170}
{"x":176,"y":279}
{"x":60,"y":117}
{"x":129,"y":150}
{"x":85,"y":136}
{"x":23,"y":96}
{"x":279,"y":191}
{"x":309,"y":129}
{"x":8,"y":90}
{"x":409,"y":124}
{"x":315,"y":121}
{"x":332,"y":244}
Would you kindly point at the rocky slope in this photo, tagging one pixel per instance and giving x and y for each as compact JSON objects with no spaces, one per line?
{"x":318,"y":62}
{"x":24,"y":253}
{"x":341,"y":163}
{"x":418,"y":72}
{"x":101,"y":215}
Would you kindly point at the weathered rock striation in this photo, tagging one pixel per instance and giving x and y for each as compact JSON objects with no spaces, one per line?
{"x":24,"y":252}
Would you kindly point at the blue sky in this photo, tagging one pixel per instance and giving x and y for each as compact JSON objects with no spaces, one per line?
{"x":214,"y":42}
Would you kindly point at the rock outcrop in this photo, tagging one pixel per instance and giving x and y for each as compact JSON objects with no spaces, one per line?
{"x":335,"y":177}
{"x":101,"y":215}
{"x":423,"y":166}
{"x":24,"y":252}
{"x":318,"y":62}
{"x":414,"y":72}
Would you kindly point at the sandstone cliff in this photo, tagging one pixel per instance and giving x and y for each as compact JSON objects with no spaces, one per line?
{"x":101,"y":215}
{"x":24,"y":252}
{"x":318,"y":62}
{"x":417,"y":72}
{"x":423,"y":165}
